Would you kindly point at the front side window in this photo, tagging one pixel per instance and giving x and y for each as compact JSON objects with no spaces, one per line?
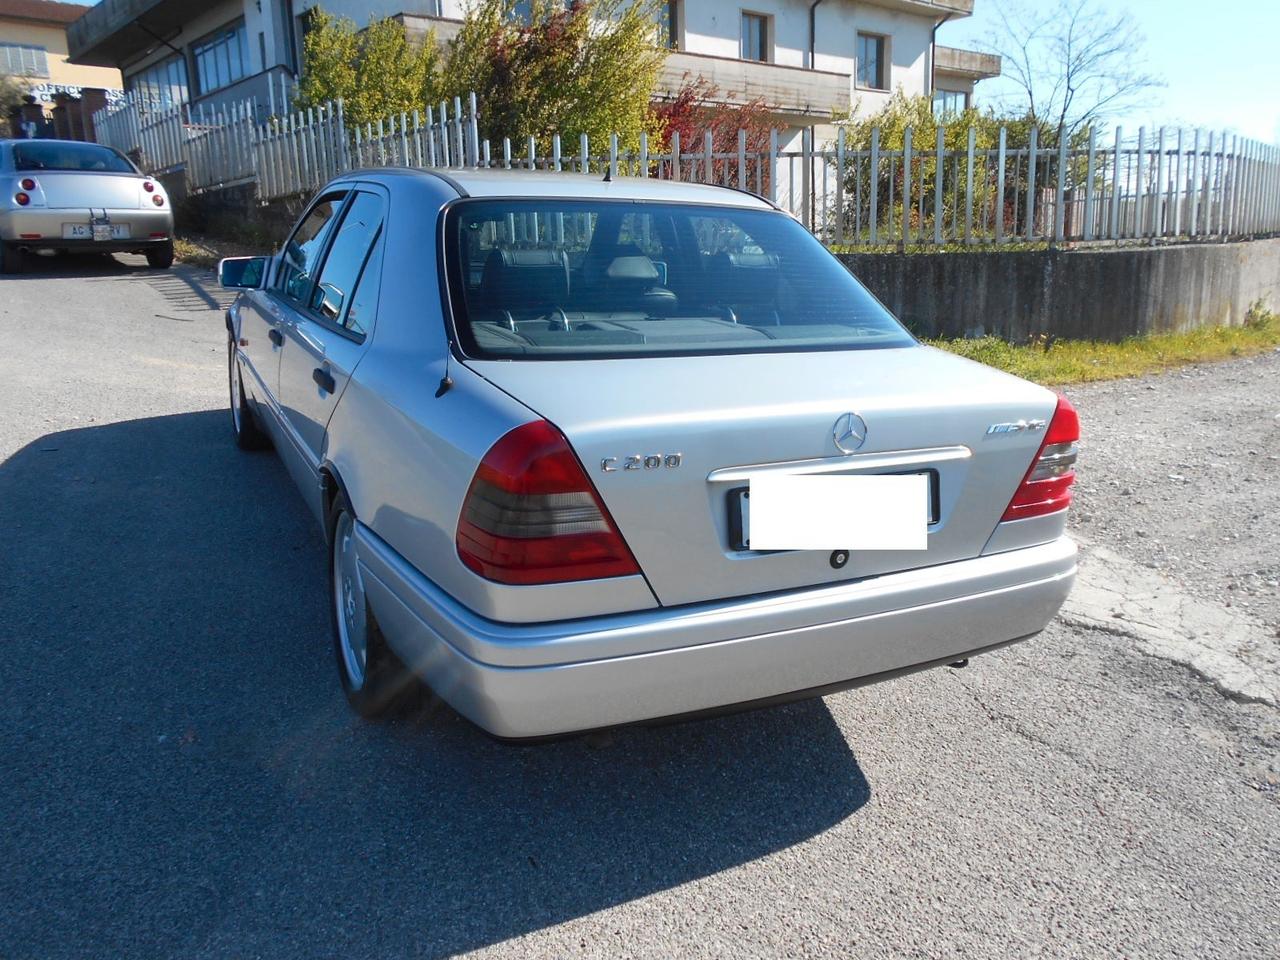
{"x":222,"y":58}
{"x":569,"y":279}
{"x":755,"y":37}
{"x":335,"y":288}
{"x":23,"y":60}
{"x":302,"y":251}
{"x":871,"y":65}
{"x":62,"y":155}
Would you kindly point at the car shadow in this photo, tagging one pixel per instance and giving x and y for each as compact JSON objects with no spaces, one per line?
{"x":184,"y":778}
{"x":43,"y":266}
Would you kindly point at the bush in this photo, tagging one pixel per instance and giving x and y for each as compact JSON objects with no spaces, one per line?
{"x":586,"y":66}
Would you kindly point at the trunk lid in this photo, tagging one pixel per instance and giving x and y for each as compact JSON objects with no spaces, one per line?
{"x":732,"y":417}
{"x":65,"y":189}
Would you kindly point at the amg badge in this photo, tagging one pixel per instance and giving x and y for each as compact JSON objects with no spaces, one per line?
{"x":1031,"y":426}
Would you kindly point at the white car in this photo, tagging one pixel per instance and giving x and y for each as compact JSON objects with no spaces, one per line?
{"x":67,"y":195}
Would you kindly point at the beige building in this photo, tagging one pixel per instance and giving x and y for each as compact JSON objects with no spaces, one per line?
{"x":33,"y":47}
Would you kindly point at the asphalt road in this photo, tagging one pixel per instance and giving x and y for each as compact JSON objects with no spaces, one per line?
{"x":180,"y":777}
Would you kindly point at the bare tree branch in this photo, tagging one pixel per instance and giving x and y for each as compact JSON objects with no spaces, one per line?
{"x":1074,"y":62}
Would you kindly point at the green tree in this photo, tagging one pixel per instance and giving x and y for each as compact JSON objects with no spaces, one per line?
{"x":582,"y":66}
{"x":13,"y":94}
{"x":376,"y":72}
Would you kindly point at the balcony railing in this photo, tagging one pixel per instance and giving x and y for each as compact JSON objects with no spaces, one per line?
{"x":793,"y":91}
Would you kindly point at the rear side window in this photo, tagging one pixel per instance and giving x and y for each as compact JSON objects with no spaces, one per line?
{"x":56,"y":155}
{"x":361,"y":223}
{"x":303,"y":249}
{"x":568,"y":279}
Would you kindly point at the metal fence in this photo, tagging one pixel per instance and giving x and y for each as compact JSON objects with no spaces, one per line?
{"x":1163,"y":185}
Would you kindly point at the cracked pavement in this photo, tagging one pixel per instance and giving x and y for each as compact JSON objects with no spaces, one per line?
{"x":183,"y":779}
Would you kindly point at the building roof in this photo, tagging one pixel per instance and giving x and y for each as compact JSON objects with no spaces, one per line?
{"x":41,"y":11}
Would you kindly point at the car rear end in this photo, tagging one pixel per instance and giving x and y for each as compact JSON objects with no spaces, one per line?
{"x":664,"y":356}
{"x":65,"y":195}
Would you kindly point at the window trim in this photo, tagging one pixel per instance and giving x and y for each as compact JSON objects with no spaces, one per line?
{"x":306,"y":309}
{"x":193,"y":56}
{"x":766,"y":26}
{"x":886,"y":61}
{"x":271,"y":286}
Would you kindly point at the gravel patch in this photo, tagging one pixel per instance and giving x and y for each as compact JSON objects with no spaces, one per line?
{"x":1181,"y":473}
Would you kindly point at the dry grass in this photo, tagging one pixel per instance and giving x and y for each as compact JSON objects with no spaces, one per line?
{"x":207,"y":251}
{"x":1080,"y":361}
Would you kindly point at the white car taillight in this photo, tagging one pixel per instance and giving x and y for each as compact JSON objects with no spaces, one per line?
{"x":532,"y":516}
{"x":1046,"y":488}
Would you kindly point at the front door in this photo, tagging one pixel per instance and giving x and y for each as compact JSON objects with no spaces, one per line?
{"x":288,"y":292}
{"x":325,"y":336}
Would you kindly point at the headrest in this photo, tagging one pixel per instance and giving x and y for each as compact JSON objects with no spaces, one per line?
{"x":632,"y":267}
{"x":516,"y":279}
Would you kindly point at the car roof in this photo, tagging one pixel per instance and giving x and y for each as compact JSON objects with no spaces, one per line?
{"x":14,"y":141}
{"x":572,"y":186}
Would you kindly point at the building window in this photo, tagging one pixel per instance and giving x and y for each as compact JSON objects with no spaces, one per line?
{"x":669,"y":24}
{"x":163,"y":83}
{"x":871,"y":62}
{"x":755,"y":37}
{"x":22,"y":60}
{"x":950,"y":103}
{"x":221,"y":59}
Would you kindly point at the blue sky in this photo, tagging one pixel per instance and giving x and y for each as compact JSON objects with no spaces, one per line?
{"x":1219,"y":58}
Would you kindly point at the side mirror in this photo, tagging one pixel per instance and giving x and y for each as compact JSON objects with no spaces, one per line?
{"x":241,"y":272}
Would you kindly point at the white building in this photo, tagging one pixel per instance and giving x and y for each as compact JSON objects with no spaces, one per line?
{"x":807,"y":59}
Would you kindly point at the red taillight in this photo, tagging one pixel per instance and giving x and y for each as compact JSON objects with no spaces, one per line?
{"x":532,"y":516}
{"x":158,"y":200}
{"x":21,"y":199}
{"x":28,"y":183}
{"x":1047,"y":486}
{"x":148,"y":186}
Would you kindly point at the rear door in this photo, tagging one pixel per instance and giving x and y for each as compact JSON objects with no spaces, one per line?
{"x":326,"y":332}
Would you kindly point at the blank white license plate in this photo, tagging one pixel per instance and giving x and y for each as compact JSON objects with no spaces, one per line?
{"x":95,"y":231}
{"x":816,"y":512}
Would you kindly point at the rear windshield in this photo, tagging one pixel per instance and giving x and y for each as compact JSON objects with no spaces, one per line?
{"x":566,"y":279}
{"x":47,"y":155}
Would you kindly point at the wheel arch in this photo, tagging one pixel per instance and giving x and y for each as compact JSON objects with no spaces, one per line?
{"x":331,"y":488}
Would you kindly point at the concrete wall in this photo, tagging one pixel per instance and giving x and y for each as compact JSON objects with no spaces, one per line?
{"x":1092,"y":294}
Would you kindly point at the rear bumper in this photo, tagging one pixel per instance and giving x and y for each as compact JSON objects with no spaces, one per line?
{"x":22,"y":226}
{"x":530,"y":680}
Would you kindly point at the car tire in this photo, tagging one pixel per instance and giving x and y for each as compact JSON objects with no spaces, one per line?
{"x":244,"y":422}
{"x":375,"y":681}
{"x":160,"y":257}
{"x":11,"y":258}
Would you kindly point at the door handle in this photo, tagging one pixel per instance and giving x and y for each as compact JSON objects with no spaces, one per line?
{"x":324,"y":379}
{"x":276,"y":337}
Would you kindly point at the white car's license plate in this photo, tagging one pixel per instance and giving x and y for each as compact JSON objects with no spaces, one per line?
{"x":95,"y":231}
{"x":740,"y":513}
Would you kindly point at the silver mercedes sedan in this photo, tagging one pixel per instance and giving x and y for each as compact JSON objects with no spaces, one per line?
{"x":65,"y":195}
{"x":592,"y":453}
